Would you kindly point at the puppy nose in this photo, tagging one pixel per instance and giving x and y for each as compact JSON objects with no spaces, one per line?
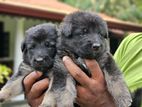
{"x":39,"y":59}
{"x":96,"y":46}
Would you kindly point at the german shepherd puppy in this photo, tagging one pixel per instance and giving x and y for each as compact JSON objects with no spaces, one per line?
{"x":84,"y":35}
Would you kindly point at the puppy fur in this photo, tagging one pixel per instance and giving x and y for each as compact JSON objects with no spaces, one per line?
{"x":39,"y":50}
{"x":39,"y":53}
{"x":85,"y":35}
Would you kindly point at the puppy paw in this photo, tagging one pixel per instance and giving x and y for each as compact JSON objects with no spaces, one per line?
{"x":68,"y":105}
{"x":48,"y":100}
{"x":4,"y":96}
{"x":123,"y":100}
{"x":46,"y":105}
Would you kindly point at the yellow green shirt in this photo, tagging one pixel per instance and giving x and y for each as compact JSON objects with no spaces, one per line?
{"x":129,"y":59}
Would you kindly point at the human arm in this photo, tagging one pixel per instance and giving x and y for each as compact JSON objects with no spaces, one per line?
{"x":91,"y":93}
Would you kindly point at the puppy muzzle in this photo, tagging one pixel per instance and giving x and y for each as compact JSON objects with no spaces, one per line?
{"x":96,"y":46}
{"x":42,"y":62}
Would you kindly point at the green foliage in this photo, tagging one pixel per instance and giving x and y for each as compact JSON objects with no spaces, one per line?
{"x":4,"y":73}
{"x":125,"y":10}
{"x":130,"y":10}
{"x":138,"y":4}
{"x":82,"y":4}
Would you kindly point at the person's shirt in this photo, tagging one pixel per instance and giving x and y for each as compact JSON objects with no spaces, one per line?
{"x":129,"y":59}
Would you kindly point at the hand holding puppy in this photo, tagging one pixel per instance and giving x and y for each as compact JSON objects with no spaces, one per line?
{"x":34,"y":89}
{"x":91,"y":92}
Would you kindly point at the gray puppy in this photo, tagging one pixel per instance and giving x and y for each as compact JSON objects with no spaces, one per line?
{"x":85,"y":35}
{"x":39,"y":50}
{"x":39,"y":53}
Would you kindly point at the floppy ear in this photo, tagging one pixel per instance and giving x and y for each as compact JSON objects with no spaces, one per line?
{"x":66,"y":29}
{"x":23,"y":46}
{"x":105,"y":30}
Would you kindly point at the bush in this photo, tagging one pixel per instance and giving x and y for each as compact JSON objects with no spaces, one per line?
{"x":4,"y":73}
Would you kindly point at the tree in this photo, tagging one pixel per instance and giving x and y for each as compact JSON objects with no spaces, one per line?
{"x":130,"y":10}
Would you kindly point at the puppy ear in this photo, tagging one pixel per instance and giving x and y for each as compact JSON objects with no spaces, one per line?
{"x":23,"y":46}
{"x":105,"y":30}
{"x":66,"y":29}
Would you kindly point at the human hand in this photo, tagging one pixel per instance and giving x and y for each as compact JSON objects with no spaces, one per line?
{"x":92,"y":91}
{"x":34,"y":89}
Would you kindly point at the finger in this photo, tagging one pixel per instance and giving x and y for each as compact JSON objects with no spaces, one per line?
{"x":75,"y":71}
{"x":84,"y":95}
{"x":38,"y":88}
{"x":35,"y":102}
{"x":79,"y":98}
{"x":96,"y":72}
{"x":80,"y":102}
{"x":30,"y":79}
{"x":39,"y":100}
{"x":80,"y":91}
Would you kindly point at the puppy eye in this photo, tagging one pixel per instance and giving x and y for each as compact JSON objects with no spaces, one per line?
{"x":47,"y":44}
{"x":52,"y":43}
{"x":31,"y":46}
{"x":85,"y":30}
{"x":82,"y":35}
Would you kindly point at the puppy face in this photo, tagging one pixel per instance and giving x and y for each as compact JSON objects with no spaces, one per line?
{"x":84,"y":34}
{"x":39,"y":46}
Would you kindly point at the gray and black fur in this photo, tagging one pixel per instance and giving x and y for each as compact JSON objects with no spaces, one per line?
{"x":39,"y":50}
{"x":39,"y":53}
{"x":84,"y":35}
